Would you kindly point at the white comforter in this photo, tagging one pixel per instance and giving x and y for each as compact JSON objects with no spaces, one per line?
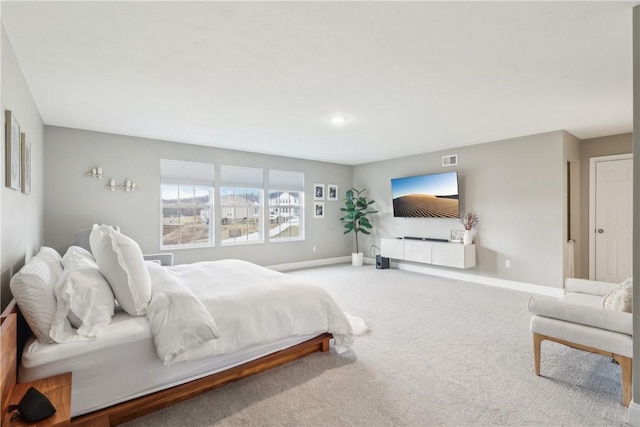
{"x":218,"y":307}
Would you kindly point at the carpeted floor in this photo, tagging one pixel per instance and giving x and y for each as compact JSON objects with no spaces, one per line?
{"x":441,"y":352}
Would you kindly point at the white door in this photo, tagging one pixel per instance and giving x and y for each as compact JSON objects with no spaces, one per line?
{"x":612,"y":218}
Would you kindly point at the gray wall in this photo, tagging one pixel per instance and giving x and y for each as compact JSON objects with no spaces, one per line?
{"x":74,"y":202}
{"x":605,"y":146}
{"x":515,"y":185}
{"x":22,"y":222}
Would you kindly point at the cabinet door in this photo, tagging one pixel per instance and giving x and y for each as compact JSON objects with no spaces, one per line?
{"x":417,"y":251}
{"x":454,"y":255}
{"x":392,"y":248}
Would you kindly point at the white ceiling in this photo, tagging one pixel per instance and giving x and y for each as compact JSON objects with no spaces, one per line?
{"x":410,"y":77}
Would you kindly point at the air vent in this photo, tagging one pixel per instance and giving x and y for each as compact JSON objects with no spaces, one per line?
{"x":451,"y":160}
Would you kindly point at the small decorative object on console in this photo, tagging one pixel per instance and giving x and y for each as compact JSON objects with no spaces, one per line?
{"x":456,"y":236}
{"x":468,"y":221}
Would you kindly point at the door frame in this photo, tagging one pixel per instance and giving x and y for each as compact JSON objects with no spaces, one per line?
{"x":592,"y":205}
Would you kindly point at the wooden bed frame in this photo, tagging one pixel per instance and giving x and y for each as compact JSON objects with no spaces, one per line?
{"x":14,"y":332}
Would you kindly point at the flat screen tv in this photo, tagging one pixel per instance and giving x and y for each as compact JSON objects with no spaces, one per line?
{"x":426,"y":196}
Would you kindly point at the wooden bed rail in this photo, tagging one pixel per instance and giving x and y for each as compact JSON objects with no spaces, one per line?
{"x":14,"y":331}
{"x":135,"y":408}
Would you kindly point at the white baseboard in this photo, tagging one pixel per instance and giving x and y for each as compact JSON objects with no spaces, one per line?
{"x":483,"y":280}
{"x":634,"y":414}
{"x":309,"y":264}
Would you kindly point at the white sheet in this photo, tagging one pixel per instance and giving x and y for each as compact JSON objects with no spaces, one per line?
{"x":122,"y":364}
{"x":254,"y":305}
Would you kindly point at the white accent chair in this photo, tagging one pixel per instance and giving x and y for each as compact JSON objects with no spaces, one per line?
{"x":579,"y":320}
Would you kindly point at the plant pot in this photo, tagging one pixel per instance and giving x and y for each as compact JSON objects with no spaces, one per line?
{"x":467,"y":239}
{"x":357,"y":259}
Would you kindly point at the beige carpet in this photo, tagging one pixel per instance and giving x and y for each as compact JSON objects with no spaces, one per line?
{"x":441,"y":352}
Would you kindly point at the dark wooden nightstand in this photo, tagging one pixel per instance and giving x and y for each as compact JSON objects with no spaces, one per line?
{"x":58,"y":391}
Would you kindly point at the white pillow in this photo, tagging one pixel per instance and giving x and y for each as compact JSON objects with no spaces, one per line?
{"x":84,"y":298}
{"x":32,"y":288}
{"x":121,"y":263}
{"x":620,"y":298}
{"x":77,"y":256}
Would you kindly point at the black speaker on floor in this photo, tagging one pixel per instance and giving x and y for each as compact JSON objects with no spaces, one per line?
{"x":382,"y":262}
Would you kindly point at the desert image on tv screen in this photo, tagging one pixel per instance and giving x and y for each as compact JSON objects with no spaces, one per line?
{"x":431,"y":196}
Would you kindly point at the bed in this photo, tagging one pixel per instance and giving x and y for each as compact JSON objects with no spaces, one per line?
{"x":203,"y":325}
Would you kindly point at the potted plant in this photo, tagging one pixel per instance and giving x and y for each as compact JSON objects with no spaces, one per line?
{"x":356,"y":208}
{"x":468,"y":221}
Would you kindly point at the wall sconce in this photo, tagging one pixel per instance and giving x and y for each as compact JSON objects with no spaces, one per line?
{"x":127,"y":186}
{"x":95,"y":173}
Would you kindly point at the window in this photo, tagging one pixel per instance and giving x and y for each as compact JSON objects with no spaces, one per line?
{"x":241,"y":204}
{"x":186,"y":190}
{"x":286,"y":205}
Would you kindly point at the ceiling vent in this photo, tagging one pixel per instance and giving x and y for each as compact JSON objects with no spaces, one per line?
{"x":451,"y":160}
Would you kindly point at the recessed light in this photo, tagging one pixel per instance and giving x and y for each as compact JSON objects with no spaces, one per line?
{"x":338,"y":120}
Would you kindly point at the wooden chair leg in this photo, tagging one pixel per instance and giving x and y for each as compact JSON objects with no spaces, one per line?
{"x":537,"y":341}
{"x":626,"y":366}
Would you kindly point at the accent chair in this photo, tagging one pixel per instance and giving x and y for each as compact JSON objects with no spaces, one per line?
{"x":580,"y":320}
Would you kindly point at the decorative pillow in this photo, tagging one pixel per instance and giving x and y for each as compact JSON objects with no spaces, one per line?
{"x":84,"y":298}
{"x":620,"y":298}
{"x":32,"y":287}
{"x":121,"y":263}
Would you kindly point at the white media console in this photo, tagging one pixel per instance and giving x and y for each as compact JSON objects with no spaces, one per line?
{"x":445,"y":254}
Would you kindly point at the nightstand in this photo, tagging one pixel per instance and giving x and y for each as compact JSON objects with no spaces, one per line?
{"x":58,"y":391}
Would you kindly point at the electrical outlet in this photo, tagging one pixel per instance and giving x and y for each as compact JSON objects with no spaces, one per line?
{"x":314,"y":249}
{"x":507,"y":264}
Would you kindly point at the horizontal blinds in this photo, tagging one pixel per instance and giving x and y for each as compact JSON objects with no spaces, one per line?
{"x":286,"y":180}
{"x":186,"y":173}
{"x":240,"y":176}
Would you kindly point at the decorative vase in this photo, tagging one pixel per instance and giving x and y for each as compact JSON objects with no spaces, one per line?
{"x":467,"y":239}
{"x":357,"y":259}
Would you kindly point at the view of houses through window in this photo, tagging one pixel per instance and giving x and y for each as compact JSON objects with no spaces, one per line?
{"x":188,"y":214}
{"x":285,"y":208}
{"x":241,"y":211}
{"x":186,"y":192}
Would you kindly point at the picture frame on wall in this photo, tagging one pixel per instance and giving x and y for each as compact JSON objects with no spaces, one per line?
{"x":12,"y":143}
{"x":25,"y":148}
{"x":318,"y":191}
{"x":332,"y":192}
{"x":318,"y":210}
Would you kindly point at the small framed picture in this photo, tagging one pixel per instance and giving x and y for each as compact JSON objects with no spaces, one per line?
{"x":332,"y":192}
{"x":12,"y":151}
{"x":456,"y":236}
{"x":318,"y":209}
{"x":25,"y":145}
{"x":318,"y":191}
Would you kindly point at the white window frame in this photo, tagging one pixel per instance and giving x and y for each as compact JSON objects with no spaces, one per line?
{"x":243,"y":178}
{"x":287,"y":182}
{"x":178,"y":173}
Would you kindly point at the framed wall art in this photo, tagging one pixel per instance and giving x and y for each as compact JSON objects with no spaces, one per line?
{"x":318,"y":209}
{"x":25,"y":146}
{"x":12,"y":134}
{"x":318,"y":191}
{"x":332,"y":192}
